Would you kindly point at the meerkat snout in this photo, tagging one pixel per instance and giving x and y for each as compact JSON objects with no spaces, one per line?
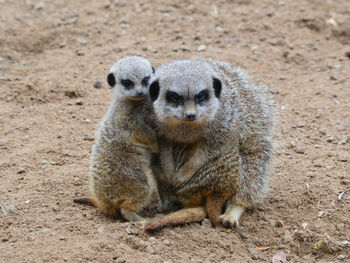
{"x":190,"y":111}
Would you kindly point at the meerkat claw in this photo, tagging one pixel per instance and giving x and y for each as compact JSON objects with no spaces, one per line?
{"x":231,"y":216}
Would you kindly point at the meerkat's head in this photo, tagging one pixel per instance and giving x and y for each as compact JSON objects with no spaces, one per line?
{"x":185,"y":93}
{"x":130,"y":77}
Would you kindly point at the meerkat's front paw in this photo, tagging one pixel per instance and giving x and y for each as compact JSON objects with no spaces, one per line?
{"x":231,"y":216}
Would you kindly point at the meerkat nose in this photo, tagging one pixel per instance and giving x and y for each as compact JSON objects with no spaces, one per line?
{"x":139,"y":93}
{"x":190,"y":117}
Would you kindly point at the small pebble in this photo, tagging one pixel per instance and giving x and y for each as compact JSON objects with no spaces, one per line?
{"x":299,"y":150}
{"x":81,"y":40}
{"x":206,"y":223}
{"x":166,"y":242}
{"x":21,"y":171}
{"x":78,"y":102}
{"x":39,"y":6}
{"x":341,"y":257}
{"x":4,"y":239}
{"x":152,"y":239}
{"x":319,"y":113}
{"x":201,"y":48}
{"x":11,"y":210}
{"x":98,"y":84}
{"x":345,"y":182}
{"x":279,"y":258}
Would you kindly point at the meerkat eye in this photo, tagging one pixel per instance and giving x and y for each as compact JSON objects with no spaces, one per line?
{"x":127,"y":83}
{"x":173,"y":97}
{"x":145,"y":81}
{"x":202,"y":96}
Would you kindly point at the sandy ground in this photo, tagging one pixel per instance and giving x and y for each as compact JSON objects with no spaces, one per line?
{"x":53,"y":52}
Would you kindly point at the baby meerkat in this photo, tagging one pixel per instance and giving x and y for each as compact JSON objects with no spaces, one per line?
{"x":215,"y":141}
{"x":121,"y":179}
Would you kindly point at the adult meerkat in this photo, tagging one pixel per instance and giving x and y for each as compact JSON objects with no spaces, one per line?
{"x":121,"y":179}
{"x":215,"y":129}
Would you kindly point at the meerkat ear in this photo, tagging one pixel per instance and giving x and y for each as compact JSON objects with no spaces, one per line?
{"x":154,"y":90}
{"x":153,"y":70}
{"x":217,"y":87}
{"x":111,"y":80}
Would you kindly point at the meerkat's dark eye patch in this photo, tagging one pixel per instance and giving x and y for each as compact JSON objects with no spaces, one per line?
{"x":145,"y":81}
{"x":173,"y":97}
{"x":111,"y":80}
{"x":154,"y":90}
{"x":217,"y":87}
{"x":202,"y":96}
{"x":127,"y":83}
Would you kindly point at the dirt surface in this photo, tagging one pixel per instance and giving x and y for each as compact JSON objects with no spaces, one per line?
{"x":53,"y":52}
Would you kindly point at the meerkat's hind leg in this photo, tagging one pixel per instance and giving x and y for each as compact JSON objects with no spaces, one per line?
{"x":232,"y":215}
{"x":214,"y":204}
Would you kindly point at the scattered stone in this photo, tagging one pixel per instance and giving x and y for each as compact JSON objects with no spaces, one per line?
{"x":78,"y":102}
{"x":343,"y":141}
{"x":280,"y":257}
{"x":341,"y":257}
{"x":55,"y":208}
{"x":63,"y":44}
{"x":310,"y":174}
{"x":206,"y":223}
{"x":132,"y":229}
{"x":8,"y":210}
{"x":152,"y":239}
{"x":39,"y":6}
{"x":43,"y":162}
{"x":166,"y":242}
{"x":82,"y":40}
{"x":62,"y":238}
{"x":299,"y":150}
{"x":100,"y":229}
{"x":347,"y":54}
{"x":87,"y":138}
{"x":98,"y":84}
{"x":45,"y":230}
{"x":255,"y":255}
{"x":275,"y":223}
{"x":21,"y":171}
{"x":79,"y":53}
{"x":345,"y":181}
{"x":202,"y":48}
{"x":4,"y":239}
{"x":319,"y":113}
{"x":345,"y":243}
{"x":287,"y":237}
{"x":342,"y":158}
{"x":1,"y":60}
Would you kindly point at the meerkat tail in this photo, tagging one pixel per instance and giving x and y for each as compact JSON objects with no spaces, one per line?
{"x":183,"y":216}
{"x":85,"y":201}
{"x":214,"y":203}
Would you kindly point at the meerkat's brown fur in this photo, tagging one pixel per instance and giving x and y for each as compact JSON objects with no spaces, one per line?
{"x":227,"y":154}
{"x":121,"y":178}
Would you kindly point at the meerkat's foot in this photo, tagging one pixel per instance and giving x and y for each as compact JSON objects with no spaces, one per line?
{"x":231,"y":216}
{"x":132,"y":216}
